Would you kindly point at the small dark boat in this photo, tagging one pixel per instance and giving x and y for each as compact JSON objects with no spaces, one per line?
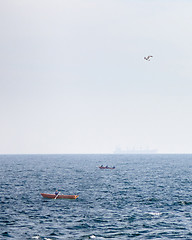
{"x":53,"y":196}
{"x":102,"y":167}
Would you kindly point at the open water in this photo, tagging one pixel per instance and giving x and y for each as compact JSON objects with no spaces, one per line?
{"x":144,"y":197}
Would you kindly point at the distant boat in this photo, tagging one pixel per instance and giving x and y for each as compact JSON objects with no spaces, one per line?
{"x":102,"y":167}
{"x":53,"y":196}
{"x":135,"y":151}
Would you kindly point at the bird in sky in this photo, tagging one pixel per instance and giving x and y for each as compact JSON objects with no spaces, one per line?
{"x":148,"y":58}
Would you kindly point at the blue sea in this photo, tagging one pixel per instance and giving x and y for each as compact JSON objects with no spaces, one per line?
{"x":144,"y":197}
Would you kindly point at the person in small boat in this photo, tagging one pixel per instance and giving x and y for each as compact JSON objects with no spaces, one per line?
{"x":56,"y":192}
{"x":107,"y":166}
{"x":101,"y":165}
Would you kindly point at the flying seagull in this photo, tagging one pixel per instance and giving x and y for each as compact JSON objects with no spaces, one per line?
{"x":148,"y":58}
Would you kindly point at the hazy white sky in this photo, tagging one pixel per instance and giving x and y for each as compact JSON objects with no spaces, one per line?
{"x":73,"y":78}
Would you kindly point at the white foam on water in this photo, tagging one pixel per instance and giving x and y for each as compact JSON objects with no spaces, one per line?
{"x":155,"y":213}
{"x":92,"y":236}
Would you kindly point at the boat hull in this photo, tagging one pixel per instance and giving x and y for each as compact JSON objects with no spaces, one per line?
{"x":107,"y":167}
{"x":53,"y":196}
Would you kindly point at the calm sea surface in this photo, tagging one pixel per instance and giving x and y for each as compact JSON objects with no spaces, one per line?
{"x":144,"y":197}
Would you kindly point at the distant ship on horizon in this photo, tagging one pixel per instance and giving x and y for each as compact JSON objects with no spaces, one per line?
{"x":135,"y":151}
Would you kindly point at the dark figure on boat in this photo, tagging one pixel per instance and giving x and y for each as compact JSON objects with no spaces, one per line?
{"x":56,"y":193}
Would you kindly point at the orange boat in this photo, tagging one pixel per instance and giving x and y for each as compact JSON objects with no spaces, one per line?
{"x":53,"y":196}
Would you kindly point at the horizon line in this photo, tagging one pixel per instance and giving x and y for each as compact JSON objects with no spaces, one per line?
{"x":158,"y":153}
